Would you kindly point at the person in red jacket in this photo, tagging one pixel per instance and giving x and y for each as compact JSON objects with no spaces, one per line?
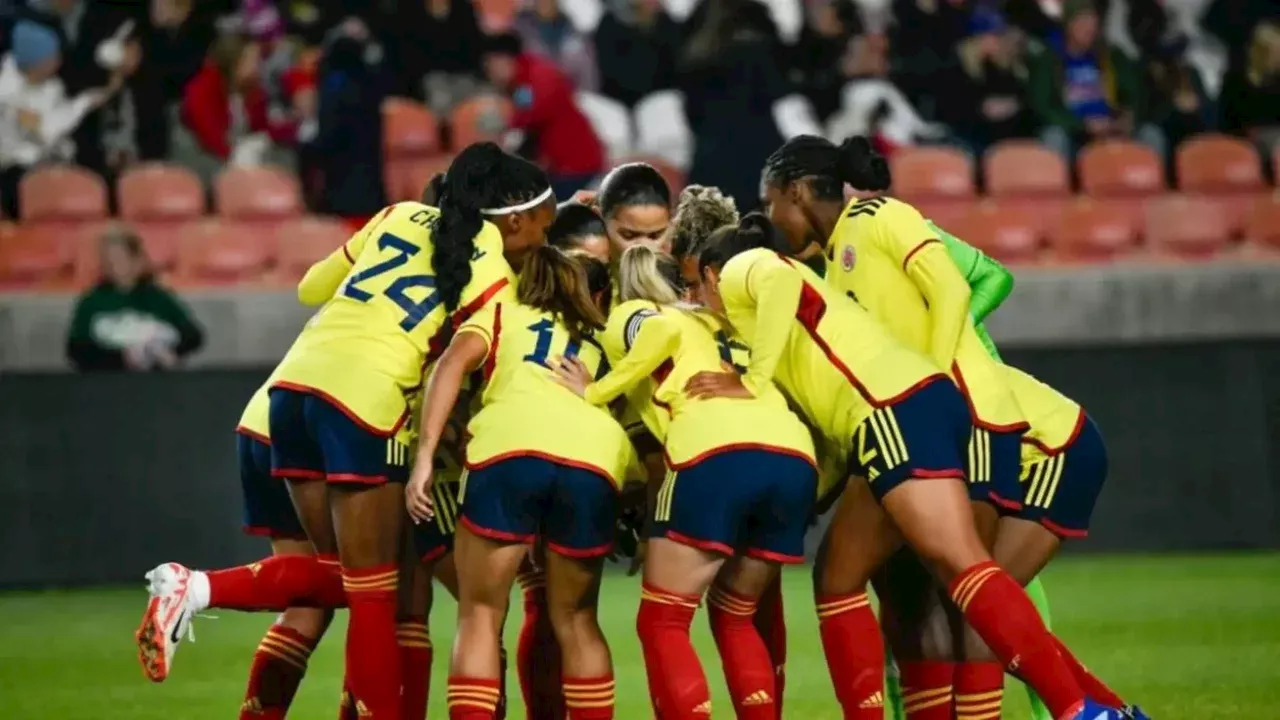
{"x":225,"y":102}
{"x":561,"y":138}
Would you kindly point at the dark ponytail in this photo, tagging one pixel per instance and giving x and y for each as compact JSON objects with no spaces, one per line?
{"x":553,"y":282}
{"x":481,"y":176}
{"x":752,"y":232}
{"x":827,"y":167}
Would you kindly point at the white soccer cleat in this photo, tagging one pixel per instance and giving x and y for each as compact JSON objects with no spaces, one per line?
{"x":166,"y":621}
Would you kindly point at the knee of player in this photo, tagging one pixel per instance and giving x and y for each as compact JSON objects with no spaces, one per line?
{"x":308,"y":622}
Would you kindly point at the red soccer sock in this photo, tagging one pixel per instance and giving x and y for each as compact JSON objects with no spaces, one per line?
{"x":677,"y":683}
{"x":473,"y":698}
{"x":854,"y":648}
{"x":278,"y":667}
{"x":979,"y":690}
{"x":589,"y":698}
{"x":998,"y":609}
{"x":771,"y":623}
{"x":748,"y":669}
{"x":278,"y":583}
{"x":372,"y":655}
{"x":927,"y":688}
{"x":1092,"y":685}
{"x":538,"y":653}
{"x":414,"y":640}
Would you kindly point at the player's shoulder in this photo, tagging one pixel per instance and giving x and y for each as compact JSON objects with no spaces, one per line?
{"x":623,"y":312}
{"x":742,"y":263}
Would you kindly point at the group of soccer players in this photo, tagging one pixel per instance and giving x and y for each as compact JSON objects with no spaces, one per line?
{"x":499,"y":390}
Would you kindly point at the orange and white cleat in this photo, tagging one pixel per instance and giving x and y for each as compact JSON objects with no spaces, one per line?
{"x":167,"y":619}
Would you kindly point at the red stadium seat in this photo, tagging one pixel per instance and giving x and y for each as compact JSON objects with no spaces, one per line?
{"x":221,"y":252}
{"x":409,"y":129}
{"x":302,"y":241}
{"x":1009,"y":232}
{"x":62,"y":193}
{"x":1026,"y":173}
{"x":160,"y":192}
{"x":1264,"y":221}
{"x":1093,"y":229}
{"x":932,"y":173}
{"x":258,"y":193}
{"x":161,"y":241}
{"x":42,"y":255}
{"x":1120,"y":168}
{"x":415,"y":174}
{"x":1188,"y":226}
{"x":1227,"y":169}
{"x":484,"y":117}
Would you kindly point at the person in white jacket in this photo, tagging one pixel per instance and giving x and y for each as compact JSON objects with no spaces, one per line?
{"x":36,"y":116}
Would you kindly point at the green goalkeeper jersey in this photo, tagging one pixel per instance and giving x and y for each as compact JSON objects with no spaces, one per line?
{"x":989,"y":282}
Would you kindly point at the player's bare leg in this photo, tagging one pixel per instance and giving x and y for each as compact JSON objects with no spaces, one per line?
{"x":537,"y":651}
{"x":413,"y":635}
{"x":921,"y":637}
{"x":572,"y":596}
{"x":486,"y":571}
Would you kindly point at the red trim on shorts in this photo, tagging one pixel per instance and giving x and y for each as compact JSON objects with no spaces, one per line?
{"x":286,"y":385}
{"x":434,"y":555}
{"x":567,"y":462}
{"x":705,"y":545}
{"x":491,"y":362}
{"x":258,"y":531}
{"x":253,"y":435}
{"x":1003,"y":502}
{"x":580,"y":553}
{"x":296,"y":474}
{"x":915,"y":250}
{"x":770,"y":556}
{"x":731,"y":447}
{"x":497,"y":535}
{"x":1066,"y":533}
{"x":973,"y":413}
{"x":1075,"y":433}
{"x":356,"y":478}
{"x":809,"y":313}
{"x":937,"y":474}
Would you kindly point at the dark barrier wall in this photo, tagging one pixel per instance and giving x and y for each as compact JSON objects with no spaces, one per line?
{"x":102,"y":477}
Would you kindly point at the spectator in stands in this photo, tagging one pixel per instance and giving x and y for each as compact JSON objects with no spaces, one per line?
{"x":557,"y":134}
{"x":981,"y":97}
{"x":128,"y":321}
{"x":348,"y":149}
{"x":1251,"y":90}
{"x":548,"y":32}
{"x":37,"y":119}
{"x":1084,"y":89}
{"x":175,"y":39}
{"x":923,"y":36}
{"x":823,"y":59}
{"x":95,"y":44}
{"x":226,"y":108}
{"x":1176,"y":96}
{"x":635,"y":45}
{"x":730,"y":75}
{"x":438,"y":45}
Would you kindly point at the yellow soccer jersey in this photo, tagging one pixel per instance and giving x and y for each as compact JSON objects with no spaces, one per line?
{"x":524,"y":411}
{"x":883,"y":254}
{"x":365,"y":350}
{"x":654,"y":352}
{"x":1055,"y":418}
{"x":825,"y":351}
{"x":255,"y":421}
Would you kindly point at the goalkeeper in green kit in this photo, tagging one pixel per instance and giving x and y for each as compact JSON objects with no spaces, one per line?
{"x":990,"y":283}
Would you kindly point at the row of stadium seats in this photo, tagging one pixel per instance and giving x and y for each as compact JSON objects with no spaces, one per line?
{"x":219,"y":251}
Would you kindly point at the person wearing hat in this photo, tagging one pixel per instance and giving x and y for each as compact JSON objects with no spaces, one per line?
{"x":1083,"y":89}
{"x":36,"y":116}
{"x":982,"y":96}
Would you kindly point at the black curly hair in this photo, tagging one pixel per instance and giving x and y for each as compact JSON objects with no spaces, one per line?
{"x":827,"y":167}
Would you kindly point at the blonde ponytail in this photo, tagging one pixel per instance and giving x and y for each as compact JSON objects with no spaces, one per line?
{"x":646,"y":274}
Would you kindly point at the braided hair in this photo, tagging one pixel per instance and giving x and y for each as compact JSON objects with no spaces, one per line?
{"x":827,"y":167}
{"x":481,"y":176}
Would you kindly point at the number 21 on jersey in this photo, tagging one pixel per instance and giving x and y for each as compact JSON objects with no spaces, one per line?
{"x":362,"y":286}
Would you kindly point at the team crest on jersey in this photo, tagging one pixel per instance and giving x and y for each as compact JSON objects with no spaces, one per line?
{"x":847,"y":258}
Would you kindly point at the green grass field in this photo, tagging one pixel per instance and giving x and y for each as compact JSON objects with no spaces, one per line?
{"x":1191,"y":638}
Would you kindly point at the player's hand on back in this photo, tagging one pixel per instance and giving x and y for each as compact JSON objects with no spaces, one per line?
{"x":571,"y":373}
{"x":727,"y":383}
{"x":417,"y":493}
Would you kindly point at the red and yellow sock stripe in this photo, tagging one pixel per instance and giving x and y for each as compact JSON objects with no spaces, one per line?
{"x":479,"y":694}
{"x":914,"y":701}
{"x":375,"y":579}
{"x":731,"y":603}
{"x":286,"y":645}
{"x":967,"y":586}
{"x":413,"y":634}
{"x":589,"y":693}
{"x":831,"y":605}
{"x":979,"y":706}
{"x":648,"y":593}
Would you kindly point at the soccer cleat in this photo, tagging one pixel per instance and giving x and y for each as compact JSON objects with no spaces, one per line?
{"x":1133,"y":712}
{"x":1094,"y":711}
{"x":166,"y":620}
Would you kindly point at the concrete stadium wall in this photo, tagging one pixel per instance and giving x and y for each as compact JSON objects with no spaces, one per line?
{"x":103,"y":476}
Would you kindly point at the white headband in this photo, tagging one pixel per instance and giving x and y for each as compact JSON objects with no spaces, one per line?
{"x":519,"y":208}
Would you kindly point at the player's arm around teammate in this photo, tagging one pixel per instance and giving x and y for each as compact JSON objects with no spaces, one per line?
{"x":541,"y":464}
{"x":907,"y":428}
{"x":735,"y":502}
